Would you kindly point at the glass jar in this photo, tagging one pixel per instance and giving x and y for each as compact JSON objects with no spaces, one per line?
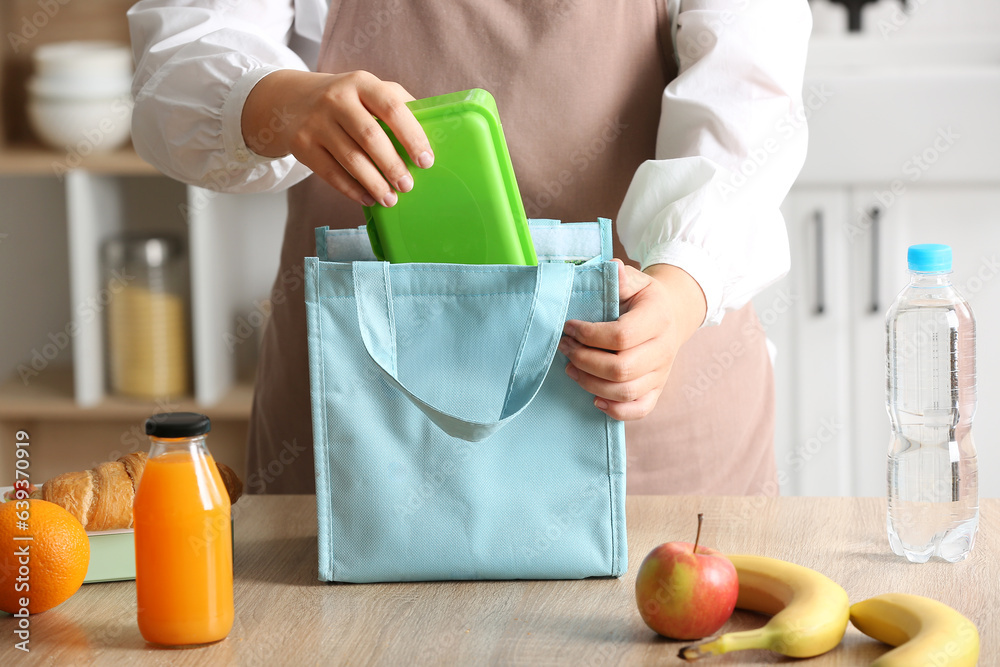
{"x":183,"y":538}
{"x":147,"y":331}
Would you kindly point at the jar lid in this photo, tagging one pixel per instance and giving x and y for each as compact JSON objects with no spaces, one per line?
{"x":153,"y":251}
{"x":178,"y":425}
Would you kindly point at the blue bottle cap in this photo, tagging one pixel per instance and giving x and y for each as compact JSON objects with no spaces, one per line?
{"x":929,"y":258}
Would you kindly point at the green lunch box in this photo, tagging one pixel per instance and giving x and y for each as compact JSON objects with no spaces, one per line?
{"x":466,"y":208}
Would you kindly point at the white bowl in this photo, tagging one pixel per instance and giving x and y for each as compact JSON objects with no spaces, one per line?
{"x":79,"y":89}
{"x":82,"y":127}
{"x":74,"y":60}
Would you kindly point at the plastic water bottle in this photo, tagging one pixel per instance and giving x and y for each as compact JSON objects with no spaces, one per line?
{"x":931,"y":399}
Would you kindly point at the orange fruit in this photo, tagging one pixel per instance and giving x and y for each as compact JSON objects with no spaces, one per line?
{"x":58,"y":554}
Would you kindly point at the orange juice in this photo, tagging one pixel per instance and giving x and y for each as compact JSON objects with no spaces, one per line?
{"x":183,"y":546}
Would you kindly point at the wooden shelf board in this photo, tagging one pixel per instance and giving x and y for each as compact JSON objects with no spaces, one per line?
{"x":35,"y":160}
{"x":50,"y":396}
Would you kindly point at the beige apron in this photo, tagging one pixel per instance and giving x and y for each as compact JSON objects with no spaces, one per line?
{"x":578,"y":84}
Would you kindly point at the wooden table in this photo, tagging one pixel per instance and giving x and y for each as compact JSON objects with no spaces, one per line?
{"x":285,"y":616}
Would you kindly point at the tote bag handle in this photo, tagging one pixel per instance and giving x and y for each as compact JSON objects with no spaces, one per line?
{"x":549,"y":305}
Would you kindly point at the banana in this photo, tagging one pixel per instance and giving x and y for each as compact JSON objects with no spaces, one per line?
{"x":926,"y":632}
{"x":809,"y":610}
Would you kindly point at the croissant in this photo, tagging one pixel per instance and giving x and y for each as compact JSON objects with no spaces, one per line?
{"x":234,"y":487}
{"x":101,"y":498}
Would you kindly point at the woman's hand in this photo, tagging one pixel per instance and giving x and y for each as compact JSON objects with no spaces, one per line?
{"x":625,"y":363}
{"x":326,"y":121}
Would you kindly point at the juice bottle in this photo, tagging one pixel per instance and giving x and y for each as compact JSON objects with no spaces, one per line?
{"x":183,"y":542}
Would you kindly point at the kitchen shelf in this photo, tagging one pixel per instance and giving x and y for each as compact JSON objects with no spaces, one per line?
{"x":231,"y":240}
{"x":35,"y":160}
{"x":55,"y":217}
{"x":65,"y":436}
{"x":49,"y":396}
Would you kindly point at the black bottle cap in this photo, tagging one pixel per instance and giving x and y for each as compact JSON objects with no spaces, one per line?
{"x":178,"y":425}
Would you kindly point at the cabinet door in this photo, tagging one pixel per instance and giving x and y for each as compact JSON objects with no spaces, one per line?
{"x":812,"y":362}
{"x":235,"y":242}
{"x":775,"y":309}
{"x":965,"y":217}
{"x":877,"y":271}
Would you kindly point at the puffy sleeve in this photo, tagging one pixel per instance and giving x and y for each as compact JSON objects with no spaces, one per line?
{"x":731,"y":141}
{"x":196,"y":62}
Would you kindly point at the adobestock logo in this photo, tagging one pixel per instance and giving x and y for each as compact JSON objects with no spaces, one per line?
{"x":723,"y":360}
{"x":785,"y":129}
{"x":87,"y":310}
{"x":275,"y":468}
{"x":581,"y":158}
{"x":918,"y":164}
{"x":364,"y":33}
{"x":34,"y":23}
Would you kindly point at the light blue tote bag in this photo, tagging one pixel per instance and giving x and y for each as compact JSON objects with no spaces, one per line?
{"x":450,"y":444}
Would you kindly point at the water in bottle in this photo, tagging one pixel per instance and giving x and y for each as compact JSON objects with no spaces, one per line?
{"x":931,"y":399}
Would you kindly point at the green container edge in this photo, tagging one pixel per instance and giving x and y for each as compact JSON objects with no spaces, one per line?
{"x":474,"y":100}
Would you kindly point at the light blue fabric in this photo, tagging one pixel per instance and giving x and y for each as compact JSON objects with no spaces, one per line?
{"x":578,"y":241}
{"x":445,"y":448}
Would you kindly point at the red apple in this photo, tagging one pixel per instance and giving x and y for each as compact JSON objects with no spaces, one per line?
{"x":686,"y":591}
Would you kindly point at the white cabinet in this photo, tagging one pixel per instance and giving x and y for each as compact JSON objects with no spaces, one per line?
{"x":813,"y":347}
{"x":848,"y":247}
{"x":906,"y":128}
{"x":51,"y":227}
{"x":875,"y":271}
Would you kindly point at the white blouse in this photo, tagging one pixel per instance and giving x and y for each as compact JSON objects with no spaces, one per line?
{"x":731,"y":141}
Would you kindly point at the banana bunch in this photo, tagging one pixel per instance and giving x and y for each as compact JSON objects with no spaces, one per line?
{"x":809,"y":610}
{"x":924,"y":631}
{"x":809,"y":614}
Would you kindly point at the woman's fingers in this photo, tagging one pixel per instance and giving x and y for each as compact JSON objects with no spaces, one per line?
{"x":632,"y":410}
{"x":632,"y":328}
{"x":626,"y":384}
{"x":333,"y":117}
{"x":624,"y":366}
{"x":370,"y":155}
{"x":621,"y":392}
{"x":387,"y":100}
{"x":368,"y":161}
{"x":626,"y":363}
{"x":330,"y":170}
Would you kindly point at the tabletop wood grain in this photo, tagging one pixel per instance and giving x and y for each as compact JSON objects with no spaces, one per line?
{"x":285,"y":616}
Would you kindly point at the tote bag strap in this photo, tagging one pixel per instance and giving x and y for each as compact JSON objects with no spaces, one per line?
{"x":549,"y":305}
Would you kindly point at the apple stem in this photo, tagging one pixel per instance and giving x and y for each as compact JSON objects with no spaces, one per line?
{"x":697,"y":537}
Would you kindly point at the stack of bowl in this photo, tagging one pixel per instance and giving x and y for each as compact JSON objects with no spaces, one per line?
{"x":79,"y":99}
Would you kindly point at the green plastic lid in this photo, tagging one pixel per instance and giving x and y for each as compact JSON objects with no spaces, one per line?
{"x":466,"y":208}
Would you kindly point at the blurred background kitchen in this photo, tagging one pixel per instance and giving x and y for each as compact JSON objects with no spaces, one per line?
{"x":126,"y":293}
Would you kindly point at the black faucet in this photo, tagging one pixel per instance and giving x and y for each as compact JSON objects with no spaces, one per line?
{"x":854,"y":12}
